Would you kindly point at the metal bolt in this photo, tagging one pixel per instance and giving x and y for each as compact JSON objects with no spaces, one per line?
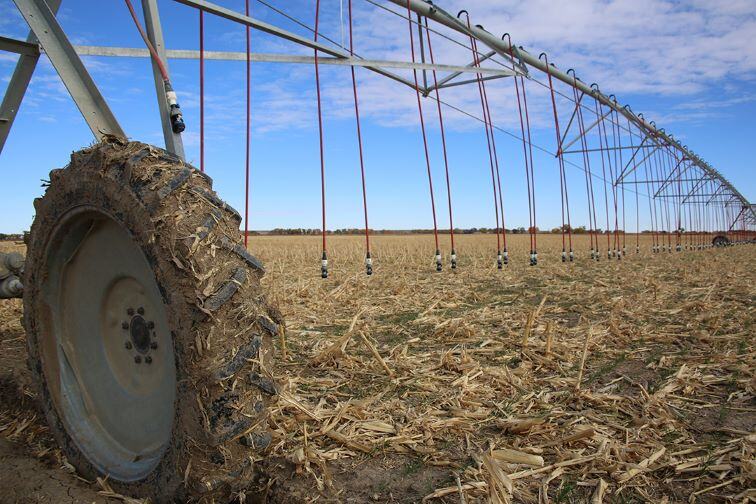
{"x":148,"y":359}
{"x":130,"y":312}
{"x":150,"y":325}
{"x":137,"y":359}
{"x":153,"y":345}
{"x":128,"y":345}
{"x":140,"y":310}
{"x":125,"y":325}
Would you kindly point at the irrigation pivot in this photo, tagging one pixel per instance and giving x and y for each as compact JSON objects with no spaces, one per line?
{"x":142,"y":304}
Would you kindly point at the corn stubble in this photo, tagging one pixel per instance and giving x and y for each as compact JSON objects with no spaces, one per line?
{"x":575,"y":382}
{"x":616,"y":381}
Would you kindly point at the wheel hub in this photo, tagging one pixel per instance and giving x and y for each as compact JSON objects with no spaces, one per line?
{"x":141,"y":332}
{"x":106,"y":318}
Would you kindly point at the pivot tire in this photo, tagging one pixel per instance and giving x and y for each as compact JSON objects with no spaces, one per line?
{"x":720,"y":241}
{"x":149,"y":338}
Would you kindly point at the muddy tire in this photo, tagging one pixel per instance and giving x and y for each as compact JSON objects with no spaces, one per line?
{"x":720,"y":241}
{"x":150,"y":341}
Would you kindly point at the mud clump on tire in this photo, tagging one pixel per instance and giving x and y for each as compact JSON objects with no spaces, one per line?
{"x":221,"y":325}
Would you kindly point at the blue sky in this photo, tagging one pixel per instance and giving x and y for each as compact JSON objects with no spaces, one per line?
{"x":690,"y":66}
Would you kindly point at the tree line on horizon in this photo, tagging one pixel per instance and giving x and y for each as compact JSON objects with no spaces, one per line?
{"x":482,"y":230}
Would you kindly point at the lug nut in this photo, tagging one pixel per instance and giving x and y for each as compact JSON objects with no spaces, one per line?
{"x":137,"y":359}
{"x":148,"y":359}
{"x":153,"y":345}
{"x":125,"y":325}
{"x":130,"y":312}
{"x":140,"y":310}
{"x":128,"y":345}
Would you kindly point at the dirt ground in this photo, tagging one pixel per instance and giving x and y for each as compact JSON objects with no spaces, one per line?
{"x":617,"y":381}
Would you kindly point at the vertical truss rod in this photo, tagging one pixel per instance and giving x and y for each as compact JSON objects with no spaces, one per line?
{"x":422,"y":50}
{"x":173,"y":141}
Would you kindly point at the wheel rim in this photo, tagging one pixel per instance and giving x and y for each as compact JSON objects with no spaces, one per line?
{"x":108,"y":355}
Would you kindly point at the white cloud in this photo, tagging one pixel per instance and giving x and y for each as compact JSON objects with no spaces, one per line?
{"x":631,"y":47}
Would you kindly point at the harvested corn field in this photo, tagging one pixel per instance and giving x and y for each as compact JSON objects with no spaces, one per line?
{"x":616,"y":381}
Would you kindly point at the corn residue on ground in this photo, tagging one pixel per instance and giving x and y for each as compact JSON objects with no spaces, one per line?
{"x":615,"y":381}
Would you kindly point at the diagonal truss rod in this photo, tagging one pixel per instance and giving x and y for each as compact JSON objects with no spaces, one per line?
{"x":585,"y":132}
{"x":442,"y":82}
{"x":569,"y":124}
{"x":670,"y":178}
{"x":626,"y":172}
{"x":694,"y":189}
{"x":69,"y":66}
{"x":637,"y":150}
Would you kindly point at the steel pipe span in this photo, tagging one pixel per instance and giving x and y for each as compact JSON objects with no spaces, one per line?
{"x":502,"y":47}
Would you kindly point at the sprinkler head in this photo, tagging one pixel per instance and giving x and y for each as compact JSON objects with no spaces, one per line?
{"x":453,"y":260}
{"x":506,"y":257}
{"x":572,"y":256}
{"x":439,"y":264}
